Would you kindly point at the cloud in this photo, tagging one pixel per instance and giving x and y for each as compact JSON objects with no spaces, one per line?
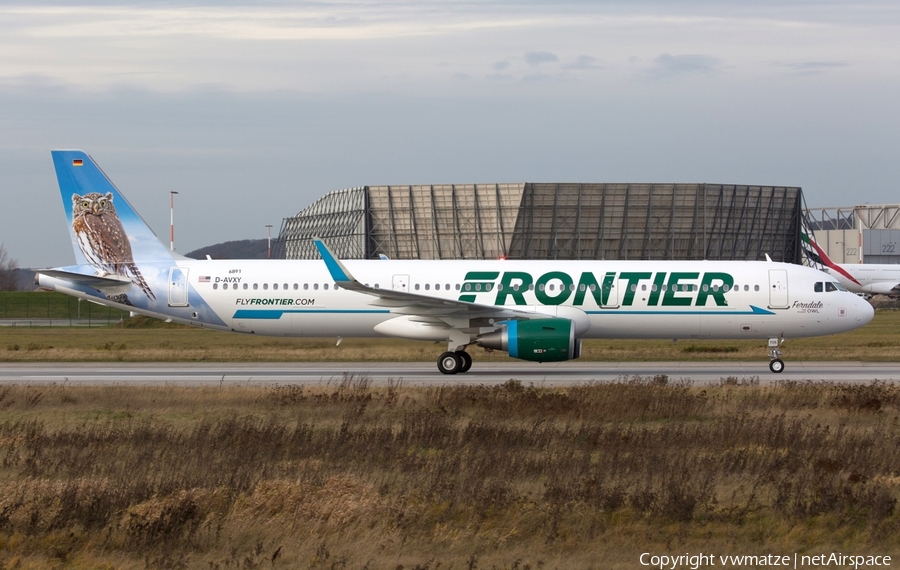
{"x":813,"y":67}
{"x":539,"y":57}
{"x":501,"y":65}
{"x":584,"y":62}
{"x":667,"y":65}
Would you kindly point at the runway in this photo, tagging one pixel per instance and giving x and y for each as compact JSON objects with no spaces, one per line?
{"x":426,"y":373}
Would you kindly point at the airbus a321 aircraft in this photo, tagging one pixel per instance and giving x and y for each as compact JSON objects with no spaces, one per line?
{"x":534,"y":310}
{"x":868,"y":278}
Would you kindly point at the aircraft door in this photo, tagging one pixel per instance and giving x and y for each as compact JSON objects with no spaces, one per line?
{"x":178,"y":281}
{"x":778,"y":289}
{"x":609,"y":292}
{"x":401,"y":283}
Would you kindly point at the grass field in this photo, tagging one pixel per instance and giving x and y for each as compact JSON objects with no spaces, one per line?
{"x":510,"y":476}
{"x":143,"y":339}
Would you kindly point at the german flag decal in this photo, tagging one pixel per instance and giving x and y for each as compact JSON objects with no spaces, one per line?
{"x":77,"y":162}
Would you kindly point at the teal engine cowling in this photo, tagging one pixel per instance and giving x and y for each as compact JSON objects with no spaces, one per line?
{"x":539,"y":340}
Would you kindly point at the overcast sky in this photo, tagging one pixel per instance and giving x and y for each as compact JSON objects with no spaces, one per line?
{"x":252,"y":110}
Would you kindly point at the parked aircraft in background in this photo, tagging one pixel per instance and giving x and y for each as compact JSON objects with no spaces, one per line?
{"x":533,"y":310}
{"x":868,"y":278}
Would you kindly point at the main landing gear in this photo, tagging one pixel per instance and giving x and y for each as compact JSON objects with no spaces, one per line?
{"x":776,"y":365}
{"x":456,"y":362}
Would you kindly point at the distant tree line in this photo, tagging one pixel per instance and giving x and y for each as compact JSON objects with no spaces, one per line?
{"x":8,"y":267}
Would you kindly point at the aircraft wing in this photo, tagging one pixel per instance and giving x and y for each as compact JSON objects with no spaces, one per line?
{"x":883,"y":288}
{"x":405,"y":303}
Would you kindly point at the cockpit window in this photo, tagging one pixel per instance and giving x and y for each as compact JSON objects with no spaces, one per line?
{"x":829,"y":287}
{"x":839,"y":286}
{"x":818,"y":287}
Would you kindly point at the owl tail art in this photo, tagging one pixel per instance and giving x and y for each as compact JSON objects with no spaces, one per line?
{"x":102,"y":239}
{"x":109,"y":238}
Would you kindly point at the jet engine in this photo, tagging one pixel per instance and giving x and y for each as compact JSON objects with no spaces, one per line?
{"x":539,"y":340}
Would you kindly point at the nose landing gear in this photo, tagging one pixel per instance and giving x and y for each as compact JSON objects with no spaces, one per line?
{"x":776,"y":365}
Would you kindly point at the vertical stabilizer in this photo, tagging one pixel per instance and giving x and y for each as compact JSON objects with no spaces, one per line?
{"x":106,"y":232}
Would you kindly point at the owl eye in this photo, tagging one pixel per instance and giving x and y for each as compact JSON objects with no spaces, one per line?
{"x":85,"y":204}
{"x":102,"y":203}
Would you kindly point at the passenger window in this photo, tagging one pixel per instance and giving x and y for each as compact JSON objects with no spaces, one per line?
{"x":818,"y":287}
{"x":447,"y":286}
{"x":516,"y":287}
{"x":315,"y":286}
{"x":215,"y":285}
{"x":593,"y":287}
{"x":275,"y":286}
{"x":644,"y":287}
{"x":265,"y":286}
{"x":245,"y":286}
{"x":541,"y":287}
{"x":417,"y":286}
{"x":715,"y":287}
{"x":756,"y":287}
{"x":296,"y":286}
{"x":633,"y":287}
{"x":255,"y":286}
{"x":305,"y":286}
{"x":746,"y":287}
{"x":428,"y":286}
{"x":325,"y":286}
{"x":285,"y":287}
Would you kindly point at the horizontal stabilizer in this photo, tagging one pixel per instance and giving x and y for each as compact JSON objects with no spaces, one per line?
{"x":95,"y":281}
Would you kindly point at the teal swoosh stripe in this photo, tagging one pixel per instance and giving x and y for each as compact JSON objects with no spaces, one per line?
{"x":753,"y":311}
{"x":277,"y":313}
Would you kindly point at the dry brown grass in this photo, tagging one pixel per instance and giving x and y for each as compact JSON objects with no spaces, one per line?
{"x":877,"y":341}
{"x":509,"y":476}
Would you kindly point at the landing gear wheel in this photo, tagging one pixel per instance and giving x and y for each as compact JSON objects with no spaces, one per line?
{"x":776,"y":365}
{"x":466,"y":361}
{"x":450,"y":363}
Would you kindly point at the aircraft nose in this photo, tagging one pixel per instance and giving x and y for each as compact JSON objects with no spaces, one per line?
{"x":863,"y":310}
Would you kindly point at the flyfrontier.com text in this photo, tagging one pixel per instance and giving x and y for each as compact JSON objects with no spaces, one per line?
{"x":697,"y":561}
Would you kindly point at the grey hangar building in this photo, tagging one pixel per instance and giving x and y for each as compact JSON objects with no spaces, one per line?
{"x":538,"y":220}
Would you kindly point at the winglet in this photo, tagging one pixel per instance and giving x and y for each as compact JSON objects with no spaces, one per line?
{"x":338,"y":272}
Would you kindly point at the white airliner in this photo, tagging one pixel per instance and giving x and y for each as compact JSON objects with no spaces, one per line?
{"x":534,"y":310}
{"x":868,"y":278}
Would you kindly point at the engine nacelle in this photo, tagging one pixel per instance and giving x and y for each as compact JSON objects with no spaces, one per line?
{"x":540,"y":340}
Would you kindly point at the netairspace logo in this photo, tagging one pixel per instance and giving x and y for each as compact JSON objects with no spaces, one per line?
{"x":696,"y":561}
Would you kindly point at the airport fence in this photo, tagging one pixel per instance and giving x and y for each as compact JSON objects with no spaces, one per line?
{"x":45,"y":308}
